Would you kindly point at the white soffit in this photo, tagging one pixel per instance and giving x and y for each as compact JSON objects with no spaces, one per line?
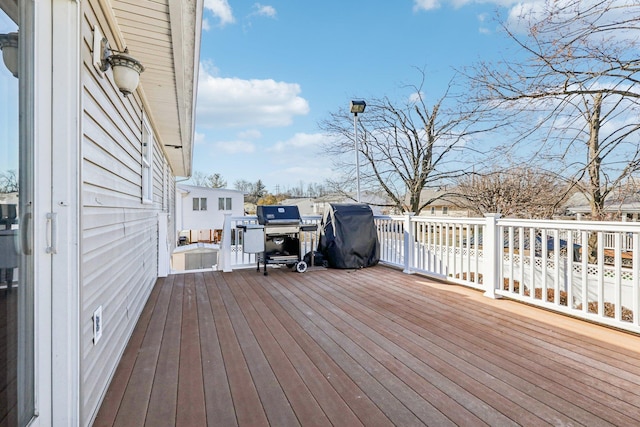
{"x":164,"y":35}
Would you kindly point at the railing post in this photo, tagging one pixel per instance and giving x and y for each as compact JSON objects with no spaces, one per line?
{"x":408,"y":243}
{"x":225,"y":249}
{"x":492,"y":249}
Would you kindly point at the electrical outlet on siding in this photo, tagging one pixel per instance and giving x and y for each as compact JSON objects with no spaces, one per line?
{"x":97,"y":325}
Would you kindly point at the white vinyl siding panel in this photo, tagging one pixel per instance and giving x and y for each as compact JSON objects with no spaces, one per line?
{"x":119,"y":259}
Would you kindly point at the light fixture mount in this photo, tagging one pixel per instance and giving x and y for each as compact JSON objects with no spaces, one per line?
{"x":126,"y":69}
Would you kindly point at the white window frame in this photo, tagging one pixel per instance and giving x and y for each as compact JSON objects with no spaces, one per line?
{"x":165,"y":186}
{"x":199,"y":204}
{"x":226,"y":203}
{"x":147,"y":162}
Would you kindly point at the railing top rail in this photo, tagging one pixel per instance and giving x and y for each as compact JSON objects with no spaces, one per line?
{"x":440,"y":220}
{"x":450,"y":220}
{"x":606,"y":226}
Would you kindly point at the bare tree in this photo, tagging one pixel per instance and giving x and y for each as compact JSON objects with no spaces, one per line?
{"x":8,"y":181}
{"x":578,"y":87}
{"x":199,"y":179}
{"x":243,"y":185}
{"x":516,"y":191}
{"x":404,"y":148}
{"x":216,"y":181}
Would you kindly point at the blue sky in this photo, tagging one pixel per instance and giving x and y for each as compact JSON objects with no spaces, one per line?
{"x":271,"y":71}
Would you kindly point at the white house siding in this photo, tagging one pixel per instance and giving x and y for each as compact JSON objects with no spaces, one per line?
{"x":119,"y":232}
{"x":212,"y":218}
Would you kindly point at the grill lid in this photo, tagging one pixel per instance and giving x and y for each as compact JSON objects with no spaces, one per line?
{"x":278,"y":215}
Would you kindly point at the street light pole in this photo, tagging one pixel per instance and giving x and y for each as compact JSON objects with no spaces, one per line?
{"x":357,"y":107}
{"x":355,"y":145}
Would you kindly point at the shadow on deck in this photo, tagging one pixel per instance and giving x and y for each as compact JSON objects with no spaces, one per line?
{"x":366,"y":347}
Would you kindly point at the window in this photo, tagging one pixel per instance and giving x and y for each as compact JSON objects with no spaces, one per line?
{"x":224,"y":203}
{"x":433,"y":210}
{"x":18,"y":157}
{"x":199,"y":203}
{"x":147,"y":163}
{"x":165,"y":187}
{"x":445,"y":210}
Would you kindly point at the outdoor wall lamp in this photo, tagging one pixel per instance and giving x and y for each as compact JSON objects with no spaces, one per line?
{"x":9,"y":46}
{"x":126,"y":69}
{"x":357,"y":107}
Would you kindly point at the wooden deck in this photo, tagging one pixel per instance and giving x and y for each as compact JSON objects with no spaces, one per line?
{"x":367,"y":347}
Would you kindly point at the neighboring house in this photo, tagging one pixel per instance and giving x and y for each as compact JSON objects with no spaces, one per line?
{"x":307,"y":206}
{"x":310,"y":206}
{"x":315,"y":206}
{"x":96,"y":208}
{"x":200,"y":211}
{"x":619,"y":206}
{"x":444,"y":204}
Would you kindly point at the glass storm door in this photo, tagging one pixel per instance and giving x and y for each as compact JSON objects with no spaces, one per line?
{"x":16,"y":214}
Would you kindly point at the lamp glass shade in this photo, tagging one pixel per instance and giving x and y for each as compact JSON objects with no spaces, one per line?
{"x":126,"y":72}
{"x":9,"y":45}
{"x":358,"y":106}
{"x":10,"y":58}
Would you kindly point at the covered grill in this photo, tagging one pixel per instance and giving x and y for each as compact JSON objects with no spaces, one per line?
{"x":281,"y":227}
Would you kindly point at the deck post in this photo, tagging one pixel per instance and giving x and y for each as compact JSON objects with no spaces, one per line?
{"x":164,"y":248}
{"x":492,"y":254}
{"x":408,"y":243}
{"x":226,"y":244}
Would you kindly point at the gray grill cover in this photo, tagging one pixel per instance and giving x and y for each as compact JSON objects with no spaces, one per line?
{"x":348,"y":236}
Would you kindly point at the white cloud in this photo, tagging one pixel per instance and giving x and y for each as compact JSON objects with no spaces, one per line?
{"x":264,"y":10}
{"x":233,"y":147}
{"x":250,"y":134}
{"x":235,"y":102}
{"x":425,"y":5}
{"x":419,"y":5}
{"x":221,"y":10}
{"x":208,"y":67}
{"x":205,"y":24}
{"x":416,"y":97}
{"x":305,"y":142}
{"x":198,"y":137}
{"x":306,"y":174}
{"x":521,"y":13}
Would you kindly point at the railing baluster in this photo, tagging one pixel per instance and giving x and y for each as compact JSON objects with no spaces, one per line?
{"x":472,"y":252}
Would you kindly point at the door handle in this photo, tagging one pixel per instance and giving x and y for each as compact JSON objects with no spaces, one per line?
{"x":52,"y":233}
{"x":25,"y":224}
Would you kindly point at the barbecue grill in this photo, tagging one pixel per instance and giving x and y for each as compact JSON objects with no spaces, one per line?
{"x":281,"y":227}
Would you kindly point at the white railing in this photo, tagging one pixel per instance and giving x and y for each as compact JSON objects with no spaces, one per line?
{"x":579,"y":268}
{"x":584,"y":269}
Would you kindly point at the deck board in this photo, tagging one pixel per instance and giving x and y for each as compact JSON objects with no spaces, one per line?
{"x":300,"y":397}
{"x":247,"y":404}
{"x":326,"y":396}
{"x":162,"y":401}
{"x":218,"y":400}
{"x":113,"y":399}
{"x":191,"y":401}
{"x":367,"y":347}
{"x":514,"y":356}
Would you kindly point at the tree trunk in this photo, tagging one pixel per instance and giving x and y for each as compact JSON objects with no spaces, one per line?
{"x":595,"y":160}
